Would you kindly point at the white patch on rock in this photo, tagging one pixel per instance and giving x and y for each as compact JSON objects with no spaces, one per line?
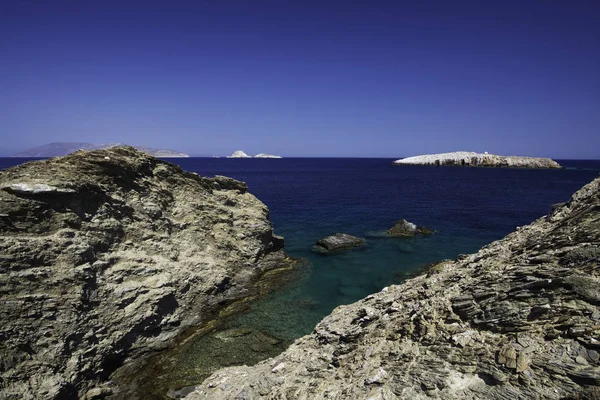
{"x":35,"y":188}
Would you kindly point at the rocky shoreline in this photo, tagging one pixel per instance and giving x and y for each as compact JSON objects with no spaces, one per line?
{"x":471,"y":159}
{"x":518,"y":319}
{"x":109,"y":256}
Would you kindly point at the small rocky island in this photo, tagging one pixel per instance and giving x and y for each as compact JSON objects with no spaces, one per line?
{"x":518,"y":319}
{"x":263,"y":155}
{"x":471,"y":159}
{"x":108,"y":256}
{"x":239,"y":154}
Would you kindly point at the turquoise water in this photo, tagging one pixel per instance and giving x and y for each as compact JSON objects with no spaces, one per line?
{"x":313,"y":198}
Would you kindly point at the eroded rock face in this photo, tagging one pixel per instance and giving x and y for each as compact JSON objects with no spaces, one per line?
{"x":518,"y":319}
{"x":336,"y":243}
{"x":108,"y":255}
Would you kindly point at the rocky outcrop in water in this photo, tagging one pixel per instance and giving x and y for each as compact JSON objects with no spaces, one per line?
{"x":471,"y":159}
{"x":403,"y":228}
{"x":107,"y":256}
{"x":239,"y":154}
{"x":263,"y":155}
{"x":336,"y":243}
{"x":518,"y":319}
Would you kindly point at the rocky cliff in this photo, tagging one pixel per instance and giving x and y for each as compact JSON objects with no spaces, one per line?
{"x":470,"y":159}
{"x":108,"y":255}
{"x":517,"y":320}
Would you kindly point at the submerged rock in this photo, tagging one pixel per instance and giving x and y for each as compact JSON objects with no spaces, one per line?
{"x":518,"y":319}
{"x":407,"y":229}
{"x":471,"y":159}
{"x":107,"y":256}
{"x":337,"y":242}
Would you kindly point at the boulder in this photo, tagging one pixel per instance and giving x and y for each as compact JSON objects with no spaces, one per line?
{"x":404,"y":228}
{"x":337,"y":242}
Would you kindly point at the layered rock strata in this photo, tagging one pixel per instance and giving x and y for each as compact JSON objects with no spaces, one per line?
{"x":107,"y":256}
{"x":518,"y":319}
{"x":471,"y":159}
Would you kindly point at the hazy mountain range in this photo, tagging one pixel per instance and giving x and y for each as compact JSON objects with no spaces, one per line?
{"x":56,"y":149}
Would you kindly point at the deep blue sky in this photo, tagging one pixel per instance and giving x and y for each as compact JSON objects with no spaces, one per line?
{"x":323,"y":78}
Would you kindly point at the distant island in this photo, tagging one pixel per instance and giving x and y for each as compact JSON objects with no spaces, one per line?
{"x":471,"y":159}
{"x":263,"y":155}
{"x":57,"y":149}
{"x":241,"y":154}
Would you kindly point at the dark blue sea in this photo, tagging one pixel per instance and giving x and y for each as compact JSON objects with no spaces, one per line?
{"x":313,"y":198}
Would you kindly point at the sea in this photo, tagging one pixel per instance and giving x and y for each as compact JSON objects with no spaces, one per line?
{"x":310,"y":198}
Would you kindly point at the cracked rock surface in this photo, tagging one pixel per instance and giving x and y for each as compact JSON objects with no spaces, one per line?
{"x":517,"y":320}
{"x":107,"y":256}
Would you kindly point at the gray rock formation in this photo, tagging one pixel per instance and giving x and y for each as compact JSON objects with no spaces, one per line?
{"x":518,"y":319}
{"x":107,"y":256}
{"x":471,"y":159}
{"x":57,"y":149}
{"x":403,"y":228}
{"x":336,"y":243}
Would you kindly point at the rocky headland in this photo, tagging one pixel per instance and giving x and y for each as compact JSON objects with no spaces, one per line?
{"x":517,"y":320}
{"x":471,"y":159}
{"x":108,"y":256}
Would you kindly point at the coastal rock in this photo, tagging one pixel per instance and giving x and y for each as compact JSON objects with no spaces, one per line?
{"x":263,"y":155}
{"x":239,"y":154}
{"x":471,"y":159}
{"x":107,"y":256}
{"x":518,"y":319}
{"x":337,"y":242}
{"x":403,"y":228}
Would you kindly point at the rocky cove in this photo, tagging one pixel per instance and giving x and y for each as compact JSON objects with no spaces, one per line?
{"x":286,"y":372}
{"x":518,"y":319}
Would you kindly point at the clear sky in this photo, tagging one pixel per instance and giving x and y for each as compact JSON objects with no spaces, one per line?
{"x":304,"y":78}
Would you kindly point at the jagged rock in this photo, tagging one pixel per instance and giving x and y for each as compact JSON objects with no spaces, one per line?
{"x":403,"y":228}
{"x":491,"y":325}
{"x":107,"y":256}
{"x":337,"y":242}
{"x":471,"y":159}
